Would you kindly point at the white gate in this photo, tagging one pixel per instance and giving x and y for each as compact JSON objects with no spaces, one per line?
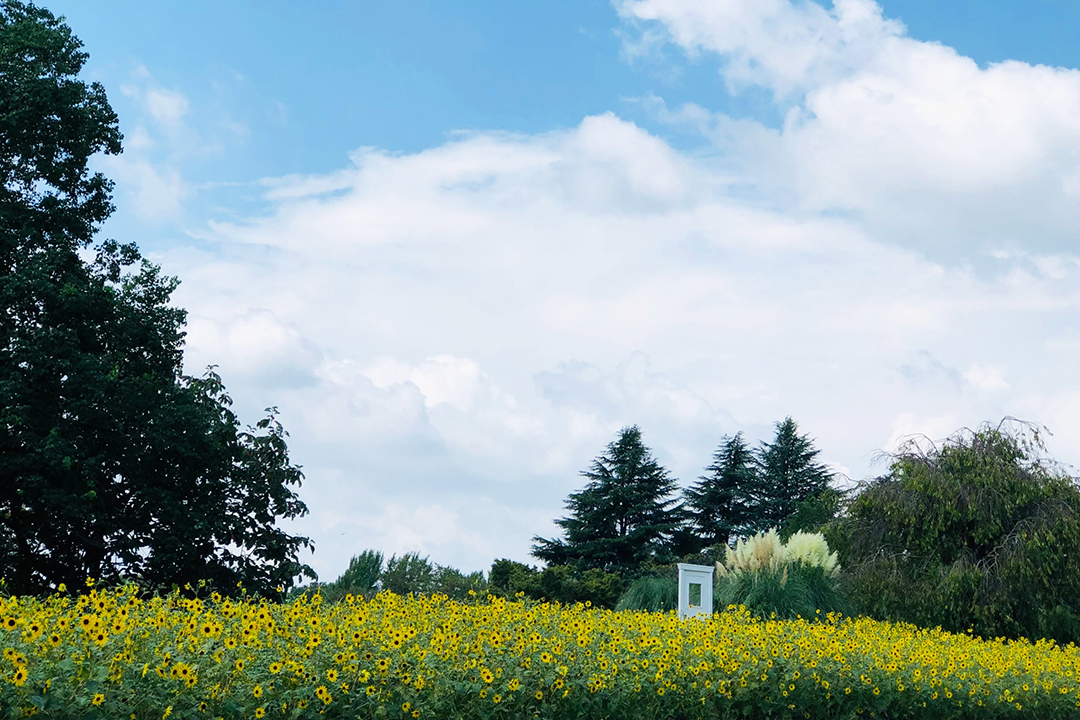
{"x":695,"y":589}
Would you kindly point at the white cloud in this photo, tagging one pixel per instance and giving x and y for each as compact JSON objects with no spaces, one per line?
{"x":161,"y":117}
{"x":255,"y":344}
{"x":155,"y":192}
{"x":168,"y":107}
{"x":166,"y":138}
{"x":467,"y":327}
{"x":453,"y":334}
{"x":773,"y":43}
{"x":148,"y":177}
{"x":931,"y":150}
{"x":986,"y":377}
{"x":443,"y":379}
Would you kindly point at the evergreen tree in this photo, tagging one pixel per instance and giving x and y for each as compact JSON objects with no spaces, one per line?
{"x":720,"y":501}
{"x":787,"y":475}
{"x":624,"y":515}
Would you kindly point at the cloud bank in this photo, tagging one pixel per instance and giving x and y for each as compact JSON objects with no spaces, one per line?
{"x":919,"y":143}
{"x":452,"y":335}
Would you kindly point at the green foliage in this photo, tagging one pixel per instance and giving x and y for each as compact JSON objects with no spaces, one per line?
{"x":814,"y":513}
{"x":719,"y":503}
{"x":51,"y":124}
{"x":367,"y":574}
{"x":363,"y":572}
{"x":793,"y":590}
{"x":622,"y":517}
{"x":981,"y":533}
{"x":456,"y":584}
{"x":409,"y":573}
{"x":558,"y":583}
{"x":744,"y":492}
{"x":651,"y":592}
{"x":115,"y":465}
{"x":509,"y":577}
{"x":787,"y":475}
{"x":359,"y":579}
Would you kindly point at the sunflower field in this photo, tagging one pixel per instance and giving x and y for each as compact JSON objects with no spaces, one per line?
{"x":114,"y":654}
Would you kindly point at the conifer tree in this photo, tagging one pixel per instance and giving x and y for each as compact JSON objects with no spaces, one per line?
{"x":720,"y":501}
{"x":624,"y":515}
{"x":787,"y":474}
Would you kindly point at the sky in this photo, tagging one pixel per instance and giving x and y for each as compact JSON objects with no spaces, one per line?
{"x":459,"y":246}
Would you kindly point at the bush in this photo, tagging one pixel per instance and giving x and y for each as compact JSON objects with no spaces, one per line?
{"x":813,"y":514}
{"x":980,"y":533}
{"x":652,"y":593}
{"x":558,"y":583}
{"x":795,"y":590}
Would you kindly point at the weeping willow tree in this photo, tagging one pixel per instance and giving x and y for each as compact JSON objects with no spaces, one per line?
{"x":981,"y":534}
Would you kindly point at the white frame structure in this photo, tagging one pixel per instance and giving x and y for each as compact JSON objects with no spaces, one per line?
{"x":701,"y":575}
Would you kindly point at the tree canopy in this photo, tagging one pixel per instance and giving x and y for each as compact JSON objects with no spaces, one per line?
{"x":624,"y":515}
{"x":980,"y":533}
{"x":719,"y":503}
{"x":787,"y":475}
{"x":114,"y":464}
{"x":744,"y":491}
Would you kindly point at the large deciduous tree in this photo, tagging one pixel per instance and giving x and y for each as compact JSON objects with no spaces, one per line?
{"x":624,"y":515}
{"x":981,"y":533}
{"x":113,"y":463}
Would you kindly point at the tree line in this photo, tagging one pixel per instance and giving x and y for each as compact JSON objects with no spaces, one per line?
{"x":630,"y":512}
{"x":631,"y":520}
{"x":976,"y":534}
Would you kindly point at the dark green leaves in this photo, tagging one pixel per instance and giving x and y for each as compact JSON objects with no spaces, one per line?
{"x":977,"y":533}
{"x":623,"y":516}
{"x":50,"y":124}
{"x":722,"y":501}
{"x":113,"y":464}
{"x":780,"y":485}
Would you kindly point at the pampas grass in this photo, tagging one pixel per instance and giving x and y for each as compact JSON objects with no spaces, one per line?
{"x":772,"y":579}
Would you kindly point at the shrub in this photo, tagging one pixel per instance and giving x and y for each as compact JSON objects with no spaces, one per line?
{"x":651,"y":593}
{"x":558,"y":583}
{"x":813,"y":513}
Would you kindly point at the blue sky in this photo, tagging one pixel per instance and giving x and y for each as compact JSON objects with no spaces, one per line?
{"x":310,"y":85}
{"x":461,"y":244}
